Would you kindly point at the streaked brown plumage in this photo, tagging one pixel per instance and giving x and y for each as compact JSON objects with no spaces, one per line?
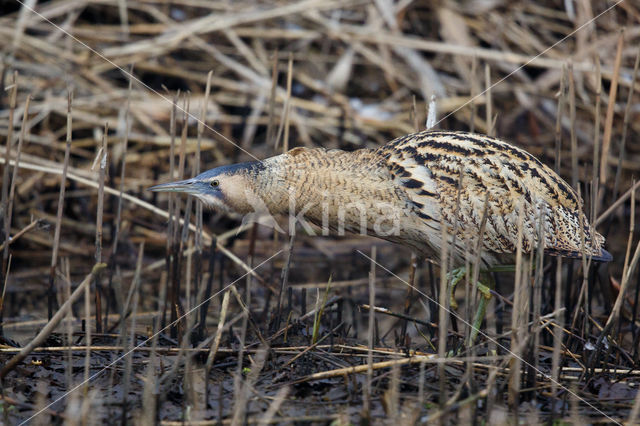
{"x":407,"y":190}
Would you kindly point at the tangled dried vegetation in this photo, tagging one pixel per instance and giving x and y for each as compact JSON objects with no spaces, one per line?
{"x":231,"y":322}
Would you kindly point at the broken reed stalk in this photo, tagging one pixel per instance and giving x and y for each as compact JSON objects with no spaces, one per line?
{"x":284,"y":120}
{"x":56,"y":235}
{"x":102,"y":158}
{"x":363,"y":368}
{"x":271,"y":112}
{"x":619,"y":202}
{"x":20,"y":233}
{"x":413,"y":114}
{"x":489,"y":104}
{"x":287,"y":112}
{"x":183,"y":135}
{"x":123,"y":163}
{"x":473,"y":90}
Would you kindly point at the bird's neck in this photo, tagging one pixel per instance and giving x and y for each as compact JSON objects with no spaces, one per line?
{"x":322,"y":184}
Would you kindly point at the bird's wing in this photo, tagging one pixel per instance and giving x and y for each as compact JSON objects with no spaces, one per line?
{"x":448,"y":176}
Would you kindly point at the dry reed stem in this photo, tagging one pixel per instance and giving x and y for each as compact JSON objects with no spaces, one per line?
{"x":595,"y":188}
{"x":608,"y":123}
{"x":367,"y":389}
{"x":619,"y":202}
{"x":274,"y":406}
{"x":137,"y":201}
{"x":556,"y":367}
{"x":287,"y":111}
{"x":124,"y":147}
{"x":12,"y":189}
{"x":134,"y":293}
{"x":572,"y":123}
{"x":443,"y":305}
{"x":489,"y":105}
{"x":629,"y":268}
{"x":516,"y":319}
{"x":58,"y":226}
{"x":5,"y":181}
{"x":365,"y":367}
{"x":284,"y":279}
{"x":16,"y":236}
{"x":625,"y":125}
{"x":216,"y":341}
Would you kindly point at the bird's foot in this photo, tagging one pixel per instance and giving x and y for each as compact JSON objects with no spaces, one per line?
{"x":454,"y":277}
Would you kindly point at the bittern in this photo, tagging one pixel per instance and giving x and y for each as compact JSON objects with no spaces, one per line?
{"x":408,"y":189}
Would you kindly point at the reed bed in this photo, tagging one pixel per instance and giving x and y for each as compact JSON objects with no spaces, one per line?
{"x":122,"y":306}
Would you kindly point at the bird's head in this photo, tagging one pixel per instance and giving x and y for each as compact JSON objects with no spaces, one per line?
{"x":227,"y":188}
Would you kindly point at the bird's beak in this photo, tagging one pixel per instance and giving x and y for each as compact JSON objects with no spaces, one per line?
{"x":188,"y":186}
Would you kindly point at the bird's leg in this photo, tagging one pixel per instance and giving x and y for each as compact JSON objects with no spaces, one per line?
{"x":455,"y":276}
{"x":485,"y":296}
{"x":503,"y":268}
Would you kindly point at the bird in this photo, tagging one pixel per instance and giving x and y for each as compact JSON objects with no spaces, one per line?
{"x":479,"y":194}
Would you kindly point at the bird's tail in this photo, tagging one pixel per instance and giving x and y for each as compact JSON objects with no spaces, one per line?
{"x":601,"y":255}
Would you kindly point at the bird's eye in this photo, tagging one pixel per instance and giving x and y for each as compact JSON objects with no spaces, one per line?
{"x":215,"y":183}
